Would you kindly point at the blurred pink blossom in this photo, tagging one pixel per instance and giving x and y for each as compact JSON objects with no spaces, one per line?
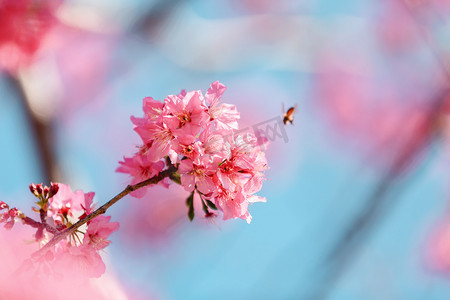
{"x":23,"y":26}
{"x":82,"y":59}
{"x":437,"y":250}
{"x":41,"y":283}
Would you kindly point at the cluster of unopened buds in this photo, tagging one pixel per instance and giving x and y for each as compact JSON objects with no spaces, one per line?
{"x":189,"y":139}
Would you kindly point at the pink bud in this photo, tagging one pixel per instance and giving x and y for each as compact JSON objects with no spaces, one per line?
{"x":39,"y":189}
{"x":3,"y":205}
{"x":53,"y":189}
{"x":46,"y":192}
{"x":32,"y":188}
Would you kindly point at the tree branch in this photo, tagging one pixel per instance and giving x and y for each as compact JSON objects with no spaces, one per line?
{"x":40,"y":130}
{"x":130,"y":188}
{"x":35,"y":224}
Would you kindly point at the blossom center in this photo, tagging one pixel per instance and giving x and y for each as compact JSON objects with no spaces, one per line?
{"x":214,"y":112}
{"x":164,"y":135}
{"x":227,"y":167}
{"x":188,"y":149}
{"x":154,"y":114}
{"x":199,"y":172}
{"x":145,"y":171}
{"x":184,"y":118}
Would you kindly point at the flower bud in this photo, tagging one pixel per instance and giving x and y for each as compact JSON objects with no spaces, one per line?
{"x":53,"y":189}
{"x":38,"y":189}
{"x":3,"y":205}
{"x":46,"y":192}
{"x":32,"y":188}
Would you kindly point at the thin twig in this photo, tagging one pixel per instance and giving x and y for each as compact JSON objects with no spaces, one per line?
{"x":35,"y":224}
{"x":43,"y":216}
{"x":130,"y":188}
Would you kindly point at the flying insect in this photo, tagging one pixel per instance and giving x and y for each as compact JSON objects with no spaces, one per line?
{"x":288,"y":117}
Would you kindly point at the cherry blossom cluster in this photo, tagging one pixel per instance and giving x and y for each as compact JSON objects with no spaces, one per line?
{"x":198,"y":134}
{"x":59,"y":208}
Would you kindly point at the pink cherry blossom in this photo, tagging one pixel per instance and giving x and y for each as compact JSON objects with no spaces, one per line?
{"x":225,"y":115}
{"x":188,"y":146}
{"x":153,"y":112}
{"x":212,"y":142}
{"x":140,"y":168}
{"x":186,"y":115}
{"x":65,"y":202}
{"x":98,"y":231}
{"x":38,"y":281}
{"x":244,"y":161}
{"x":232,"y":203}
{"x":197,"y":174}
{"x":158,"y":139}
{"x":84,"y":260}
{"x":88,"y":203}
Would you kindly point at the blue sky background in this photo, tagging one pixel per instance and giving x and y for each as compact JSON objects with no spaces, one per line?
{"x":317,"y":182}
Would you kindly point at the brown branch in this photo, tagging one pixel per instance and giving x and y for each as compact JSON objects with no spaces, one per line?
{"x":130,"y":188}
{"x":43,"y":216}
{"x":40,"y":131}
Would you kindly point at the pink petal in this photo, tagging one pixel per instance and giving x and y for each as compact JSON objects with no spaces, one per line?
{"x":158,"y":150}
{"x":205,"y":185}
{"x":188,"y":182}
{"x":214,"y":92}
{"x":186,"y":166}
